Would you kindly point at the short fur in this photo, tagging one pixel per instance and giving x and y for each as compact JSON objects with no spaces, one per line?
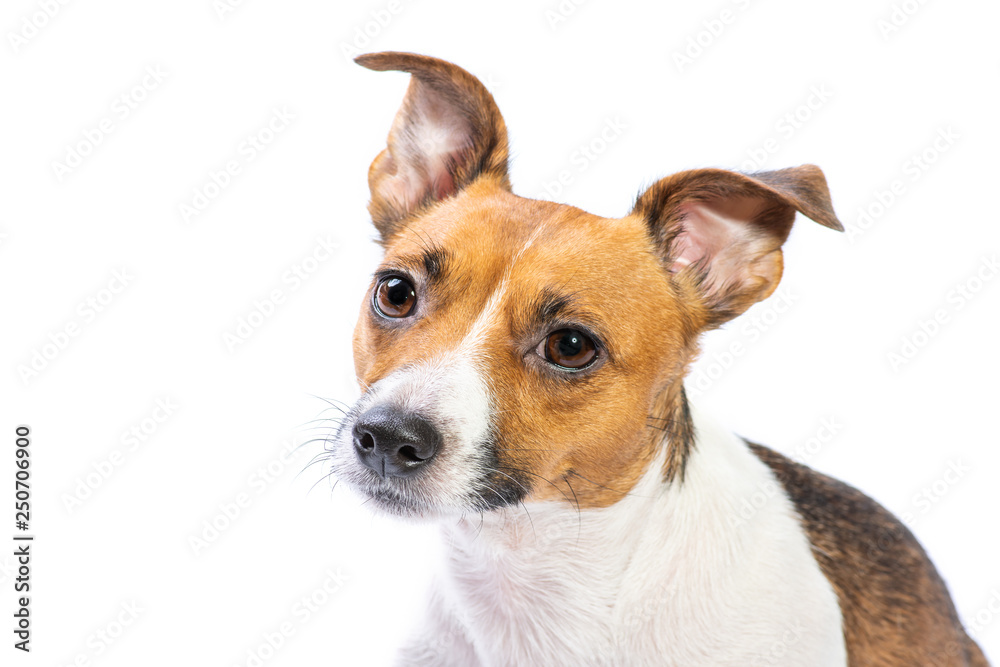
{"x":592,"y":516}
{"x":882,"y":576}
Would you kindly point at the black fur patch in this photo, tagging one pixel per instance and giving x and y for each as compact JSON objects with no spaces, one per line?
{"x":434,"y":261}
{"x":896,"y":608}
{"x":680,"y":435}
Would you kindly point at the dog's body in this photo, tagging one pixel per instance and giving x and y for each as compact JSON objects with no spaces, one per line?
{"x":523,"y":365}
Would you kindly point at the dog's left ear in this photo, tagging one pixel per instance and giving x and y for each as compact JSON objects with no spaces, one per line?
{"x":447,"y":133}
{"x":720,"y":232}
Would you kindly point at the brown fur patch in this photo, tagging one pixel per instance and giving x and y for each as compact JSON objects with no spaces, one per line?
{"x":896,"y":609}
{"x":583,"y":437}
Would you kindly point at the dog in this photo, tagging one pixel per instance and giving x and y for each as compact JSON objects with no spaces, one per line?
{"x":522,"y":367}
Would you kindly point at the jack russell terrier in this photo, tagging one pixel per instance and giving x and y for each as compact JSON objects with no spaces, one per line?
{"x":522,"y":364}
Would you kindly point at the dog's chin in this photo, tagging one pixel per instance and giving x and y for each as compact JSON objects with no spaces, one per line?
{"x":388,"y":502}
{"x":407,"y":500}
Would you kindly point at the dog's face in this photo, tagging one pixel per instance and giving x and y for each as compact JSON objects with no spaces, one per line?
{"x":512,"y":349}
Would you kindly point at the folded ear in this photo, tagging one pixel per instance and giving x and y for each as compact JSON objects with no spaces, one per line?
{"x":447,"y":133}
{"x":720,"y":232}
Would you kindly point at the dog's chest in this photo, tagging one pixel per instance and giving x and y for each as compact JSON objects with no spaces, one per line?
{"x":661,"y":578}
{"x":535,"y":606}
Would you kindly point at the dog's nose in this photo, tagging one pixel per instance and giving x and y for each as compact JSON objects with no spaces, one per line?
{"x":394,"y":443}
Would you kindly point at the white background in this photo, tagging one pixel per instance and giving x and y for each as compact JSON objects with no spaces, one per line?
{"x":899,"y":430}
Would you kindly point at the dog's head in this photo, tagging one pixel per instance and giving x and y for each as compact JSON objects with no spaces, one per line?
{"x":511,"y":349}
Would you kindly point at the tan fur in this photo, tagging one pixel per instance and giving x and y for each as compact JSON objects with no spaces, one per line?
{"x":586,"y":441}
{"x":648,"y":284}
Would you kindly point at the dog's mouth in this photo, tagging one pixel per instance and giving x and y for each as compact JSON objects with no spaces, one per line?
{"x":419,"y":500}
{"x":389,"y":500}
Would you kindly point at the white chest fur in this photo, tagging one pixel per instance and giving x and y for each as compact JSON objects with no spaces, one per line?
{"x":680,"y":575}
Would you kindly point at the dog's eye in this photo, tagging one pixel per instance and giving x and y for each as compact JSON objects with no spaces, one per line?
{"x":395,"y":297}
{"x":568,"y":348}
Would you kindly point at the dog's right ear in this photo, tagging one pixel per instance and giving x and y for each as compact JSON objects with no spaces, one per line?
{"x":447,"y":133}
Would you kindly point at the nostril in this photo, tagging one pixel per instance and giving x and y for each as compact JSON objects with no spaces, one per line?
{"x":366,"y":442}
{"x":410,"y":454}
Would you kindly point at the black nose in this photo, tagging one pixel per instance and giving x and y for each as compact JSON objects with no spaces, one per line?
{"x":394,"y":443}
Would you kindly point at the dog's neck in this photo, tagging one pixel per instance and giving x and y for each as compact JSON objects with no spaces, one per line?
{"x":644,"y":569}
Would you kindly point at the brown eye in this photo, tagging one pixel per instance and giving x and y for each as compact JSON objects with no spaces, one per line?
{"x":569,"y":348}
{"x":394,"y":297}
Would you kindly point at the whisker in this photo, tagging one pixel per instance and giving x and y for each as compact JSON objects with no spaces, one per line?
{"x":579,"y":515}
{"x":321,"y":479}
{"x":521,"y":449}
{"x":334,"y":403}
{"x":576,"y":474}
{"x":336,"y":420}
{"x":528,"y":472}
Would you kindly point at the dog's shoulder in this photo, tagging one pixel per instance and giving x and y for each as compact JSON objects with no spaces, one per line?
{"x":896,"y":608}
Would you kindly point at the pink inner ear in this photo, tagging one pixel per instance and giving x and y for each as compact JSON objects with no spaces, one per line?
{"x":417,"y":175}
{"x":721,"y":233}
{"x":444,"y":185}
{"x":696,"y":241}
{"x":433,"y":139}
